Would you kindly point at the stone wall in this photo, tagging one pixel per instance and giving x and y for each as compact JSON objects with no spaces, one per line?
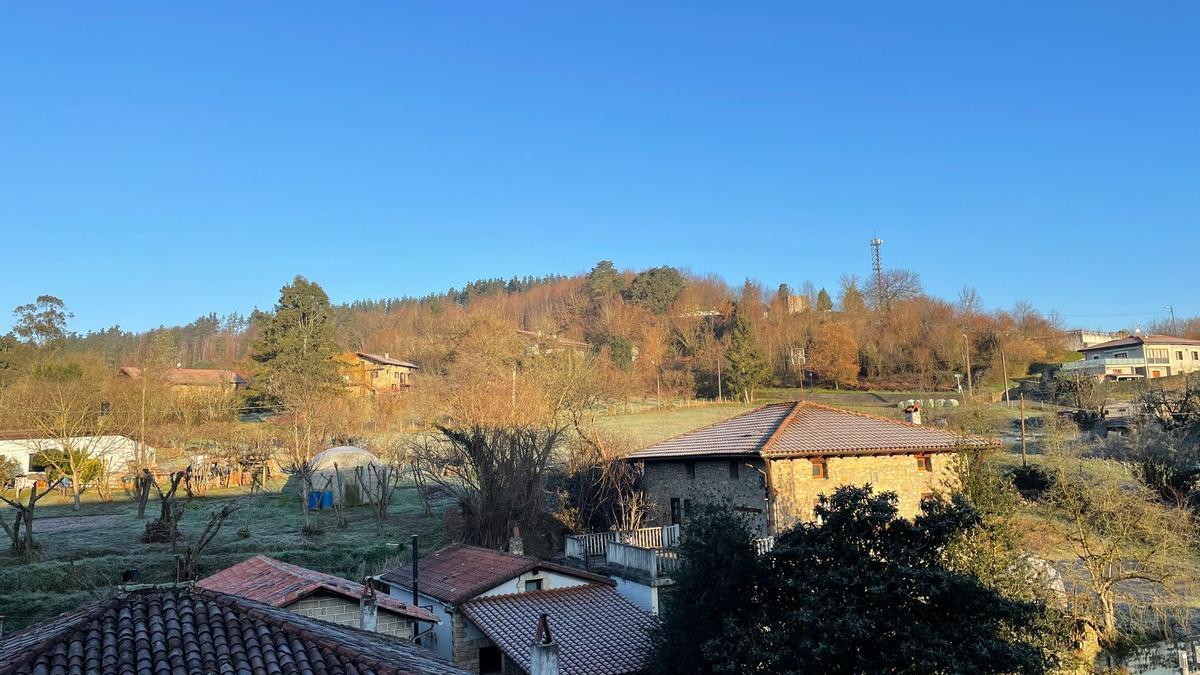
{"x":467,"y":641}
{"x":712,"y":484}
{"x":796,"y":490}
{"x":340,"y":610}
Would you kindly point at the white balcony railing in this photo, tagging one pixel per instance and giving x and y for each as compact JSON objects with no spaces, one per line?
{"x":1103,"y":364}
{"x":580,"y":546}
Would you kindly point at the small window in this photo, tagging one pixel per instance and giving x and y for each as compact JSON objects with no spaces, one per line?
{"x":1178,"y":355}
{"x":819,"y":469}
{"x":490,"y":660}
{"x":1121,"y":355}
{"x":924,"y":463}
{"x":690,"y":469}
{"x":676,"y":512}
{"x":532,"y":585}
{"x":374,"y":374}
{"x":734,"y":469}
{"x":1195,"y":356}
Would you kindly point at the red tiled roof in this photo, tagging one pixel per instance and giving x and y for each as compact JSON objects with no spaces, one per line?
{"x":192,"y":376}
{"x":279,"y":584}
{"x":198,"y":632}
{"x":385,"y":360}
{"x":1134,"y":340}
{"x":459,"y":572}
{"x":803,"y":428}
{"x":598,"y":631}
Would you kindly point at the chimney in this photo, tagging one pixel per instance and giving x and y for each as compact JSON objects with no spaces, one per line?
{"x":515,"y":544}
{"x":912,"y":414}
{"x":543,"y":655}
{"x":368,"y":611}
{"x":387,"y":355}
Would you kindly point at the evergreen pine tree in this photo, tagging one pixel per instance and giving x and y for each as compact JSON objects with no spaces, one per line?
{"x":748,"y":364}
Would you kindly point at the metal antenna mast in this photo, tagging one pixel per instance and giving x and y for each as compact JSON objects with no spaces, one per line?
{"x":877,"y":264}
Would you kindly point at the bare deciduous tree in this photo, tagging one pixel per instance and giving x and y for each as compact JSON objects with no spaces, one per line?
{"x":22,"y":543}
{"x":1130,"y":549}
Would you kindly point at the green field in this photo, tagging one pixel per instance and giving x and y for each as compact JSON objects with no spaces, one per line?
{"x":84,"y":554}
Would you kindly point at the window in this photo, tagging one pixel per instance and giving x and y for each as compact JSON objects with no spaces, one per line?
{"x":1121,"y":355}
{"x":690,"y":469}
{"x":734,"y":469}
{"x":819,"y":469}
{"x":396,"y":375}
{"x":1195,"y":356}
{"x":676,"y":513}
{"x":532,"y":585}
{"x":490,"y":660}
{"x":374,"y":374}
{"x":1178,"y":355}
{"x":924,"y":463}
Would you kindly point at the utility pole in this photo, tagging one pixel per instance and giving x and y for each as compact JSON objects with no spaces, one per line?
{"x":1174,"y":328}
{"x":1004,"y":367}
{"x":1024,"y":457}
{"x":720,"y":394}
{"x":967,"y":352}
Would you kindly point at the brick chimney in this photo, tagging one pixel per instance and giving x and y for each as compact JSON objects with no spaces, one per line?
{"x":543,"y":654}
{"x":516,"y":545}
{"x":368,"y":611}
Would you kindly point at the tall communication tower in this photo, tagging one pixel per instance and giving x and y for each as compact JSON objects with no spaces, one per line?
{"x":877,"y":263}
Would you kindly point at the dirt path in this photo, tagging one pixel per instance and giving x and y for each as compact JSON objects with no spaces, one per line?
{"x":64,"y":523}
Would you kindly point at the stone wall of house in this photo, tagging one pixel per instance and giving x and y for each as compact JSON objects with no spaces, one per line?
{"x":796,"y":490}
{"x":467,"y":641}
{"x":340,"y":610}
{"x":713,"y":483}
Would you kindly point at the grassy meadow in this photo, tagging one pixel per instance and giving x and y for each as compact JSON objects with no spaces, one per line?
{"x":83,"y":554}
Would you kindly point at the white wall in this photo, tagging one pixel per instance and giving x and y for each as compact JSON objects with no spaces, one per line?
{"x":443,"y":643}
{"x":116,"y":450}
{"x":549,"y":580}
{"x":641,"y":595}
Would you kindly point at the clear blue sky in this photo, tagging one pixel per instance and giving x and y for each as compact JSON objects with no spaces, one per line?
{"x":159,"y":161}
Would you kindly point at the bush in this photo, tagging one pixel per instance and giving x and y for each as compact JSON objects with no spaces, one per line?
{"x":1032,"y":481}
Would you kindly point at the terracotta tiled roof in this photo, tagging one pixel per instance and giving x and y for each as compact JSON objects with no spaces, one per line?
{"x":192,"y":376}
{"x":800,"y":429}
{"x":385,"y":360}
{"x":1135,"y":340}
{"x":598,"y":631}
{"x":279,"y":584}
{"x":459,"y":572}
{"x":198,"y":632}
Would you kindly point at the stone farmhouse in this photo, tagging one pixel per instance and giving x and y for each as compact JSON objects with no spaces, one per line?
{"x":489,"y":604}
{"x":368,"y":374}
{"x":194,"y":380}
{"x":319,"y":595}
{"x":773,"y":463}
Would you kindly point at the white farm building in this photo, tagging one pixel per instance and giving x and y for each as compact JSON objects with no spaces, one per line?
{"x":116,"y":451}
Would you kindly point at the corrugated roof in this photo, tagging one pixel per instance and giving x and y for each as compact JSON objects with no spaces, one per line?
{"x":279,"y":584}
{"x":459,"y":572}
{"x":192,"y":376}
{"x":598,"y":631}
{"x":385,"y":360}
{"x":1134,"y":340}
{"x":804,"y":428}
{"x":198,"y":632}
